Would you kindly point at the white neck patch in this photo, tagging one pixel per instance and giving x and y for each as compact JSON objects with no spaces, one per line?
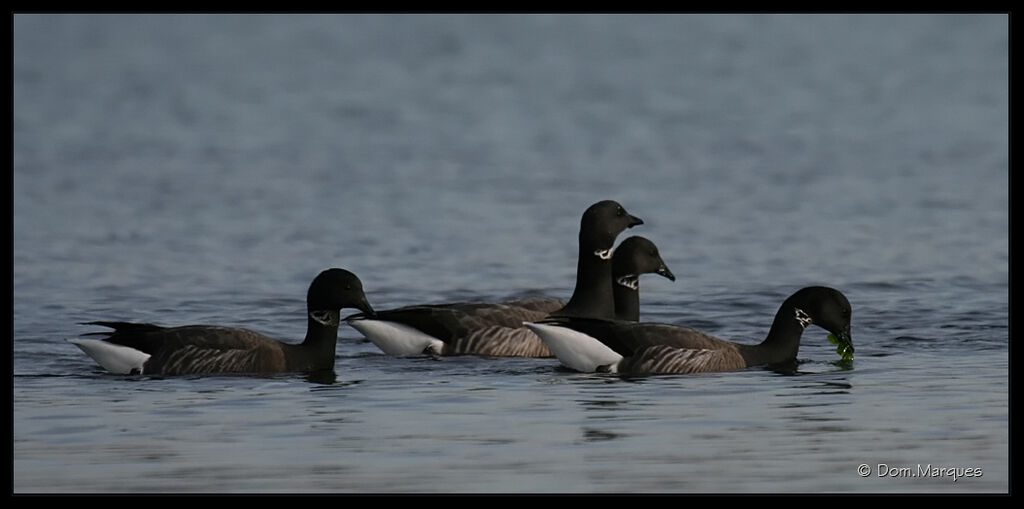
{"x":802,"y":317}
{"x":631,"y":281}
{"x":604,"y":254}
{"x":325,"y":318}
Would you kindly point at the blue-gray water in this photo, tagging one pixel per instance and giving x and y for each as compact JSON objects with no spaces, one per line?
{"x":202,"y":169}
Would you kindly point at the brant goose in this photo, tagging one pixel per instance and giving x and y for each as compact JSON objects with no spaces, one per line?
{"x":634,"y":256}
{"x":142,"y":348}
{"x":588,"y":344}
{"x":496,"y":329}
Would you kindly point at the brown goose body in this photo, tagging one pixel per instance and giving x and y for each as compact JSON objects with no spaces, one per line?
{"x":649,"y":348}
{"x":208,"y":349}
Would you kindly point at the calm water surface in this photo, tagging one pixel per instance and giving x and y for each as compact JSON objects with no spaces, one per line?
{"x":202,"y":169}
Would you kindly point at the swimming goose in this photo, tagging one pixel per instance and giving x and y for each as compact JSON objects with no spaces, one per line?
{"x":496,"y":329}
{"x":590,"y":345}
{"x":142,"y":348}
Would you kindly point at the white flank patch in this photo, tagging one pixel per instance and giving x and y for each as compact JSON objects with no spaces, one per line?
{"x":121,"y":360}
{"x":574,"y":349}
{"x":395,"y":338}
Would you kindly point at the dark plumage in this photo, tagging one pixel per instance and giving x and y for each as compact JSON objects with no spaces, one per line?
{"x":634,"y":256}
{"x":193,"y":349}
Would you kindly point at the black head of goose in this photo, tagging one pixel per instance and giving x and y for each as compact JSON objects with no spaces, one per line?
{"x":207,"y":349}
{"x":496,"y":329}
{"x":634,"y":256}
{"x":648,"y":348}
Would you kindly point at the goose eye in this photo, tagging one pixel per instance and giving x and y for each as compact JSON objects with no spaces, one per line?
{"x":620,"y":211}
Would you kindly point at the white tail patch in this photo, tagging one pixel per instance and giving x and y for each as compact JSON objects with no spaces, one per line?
{"x":574,"y":349}
{"x":117,"y":359}
{"x":397,"y":339}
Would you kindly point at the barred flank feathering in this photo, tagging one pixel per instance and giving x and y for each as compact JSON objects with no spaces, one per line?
{"x":497,"y":341}
{"x":192,"y":359}
{"x":667,"y":359}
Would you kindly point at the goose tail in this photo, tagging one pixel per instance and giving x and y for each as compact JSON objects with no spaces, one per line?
{"x":574,"y":349}
{"x":117,"y":359}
